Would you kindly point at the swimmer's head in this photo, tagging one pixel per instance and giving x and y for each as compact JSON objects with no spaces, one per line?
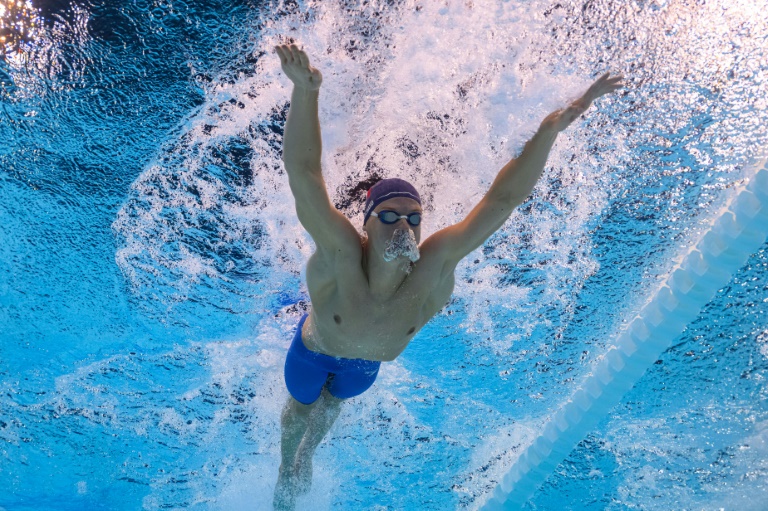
{"x":396,"y":241}
{"x":388,"y":189}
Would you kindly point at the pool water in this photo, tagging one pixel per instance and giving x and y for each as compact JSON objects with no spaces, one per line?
{"x":151,"y":264}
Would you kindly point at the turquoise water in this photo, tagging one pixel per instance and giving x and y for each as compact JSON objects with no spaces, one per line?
{"x":151,"y":262}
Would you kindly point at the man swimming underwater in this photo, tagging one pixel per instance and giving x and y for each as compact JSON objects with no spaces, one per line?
{"x":371,"y":295}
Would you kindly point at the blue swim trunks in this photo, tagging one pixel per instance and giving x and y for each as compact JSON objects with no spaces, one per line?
{"x":307,"y":372}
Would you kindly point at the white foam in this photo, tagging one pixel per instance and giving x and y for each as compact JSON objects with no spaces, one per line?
{"x":762,"y":340}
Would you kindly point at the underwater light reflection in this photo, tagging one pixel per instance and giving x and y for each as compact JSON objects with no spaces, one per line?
{"x":19,"y":25}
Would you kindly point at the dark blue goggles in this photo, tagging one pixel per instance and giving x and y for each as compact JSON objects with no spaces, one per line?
{"x":390,"y":217}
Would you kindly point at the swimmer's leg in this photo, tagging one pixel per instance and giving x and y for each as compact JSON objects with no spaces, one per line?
{"x":294,"y":421}
{"x":350,"y":381}
{"x":321,"y":420}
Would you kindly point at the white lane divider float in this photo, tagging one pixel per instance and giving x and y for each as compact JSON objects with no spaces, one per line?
{"x":739,"y":230}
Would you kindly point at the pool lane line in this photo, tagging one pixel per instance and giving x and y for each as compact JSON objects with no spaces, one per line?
{"x":739,"y":230}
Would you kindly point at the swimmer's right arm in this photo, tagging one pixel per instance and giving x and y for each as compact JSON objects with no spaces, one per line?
{"x":302,"y":147}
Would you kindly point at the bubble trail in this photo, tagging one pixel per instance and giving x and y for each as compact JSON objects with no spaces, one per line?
{"x":737,"y":231}
{"x":403,"y":243}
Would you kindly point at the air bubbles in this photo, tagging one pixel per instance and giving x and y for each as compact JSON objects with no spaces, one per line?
{"x":762,"y":341}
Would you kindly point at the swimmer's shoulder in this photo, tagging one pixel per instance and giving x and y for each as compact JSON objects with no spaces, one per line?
{"x":326,"y":271}
{"x":436,"y":256}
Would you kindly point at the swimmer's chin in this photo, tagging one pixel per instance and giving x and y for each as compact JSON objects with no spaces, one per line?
{"x":401,"y":258}
{"x":404,"y":262}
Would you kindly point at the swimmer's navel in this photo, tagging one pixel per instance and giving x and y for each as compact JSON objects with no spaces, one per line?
{"x":411,"y":330}
{"x":337,"y":319}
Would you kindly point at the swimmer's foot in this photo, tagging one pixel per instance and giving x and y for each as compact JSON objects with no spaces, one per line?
{"x":284,"y":498}
{"x":303,"y":471}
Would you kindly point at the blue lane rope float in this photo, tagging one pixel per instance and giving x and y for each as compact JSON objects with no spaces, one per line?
{"x":740,"y":230}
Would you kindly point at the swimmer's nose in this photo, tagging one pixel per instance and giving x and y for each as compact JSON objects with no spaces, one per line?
{"x":403,"y":223}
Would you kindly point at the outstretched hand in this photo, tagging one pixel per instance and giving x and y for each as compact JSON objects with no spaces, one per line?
{"x":295,"y":64}
{"x":561,"y":119}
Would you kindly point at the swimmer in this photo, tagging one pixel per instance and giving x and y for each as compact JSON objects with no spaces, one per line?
{"x":371,"y":294}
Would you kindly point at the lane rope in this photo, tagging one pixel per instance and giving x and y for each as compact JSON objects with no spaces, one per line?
{"x":740,"y":228}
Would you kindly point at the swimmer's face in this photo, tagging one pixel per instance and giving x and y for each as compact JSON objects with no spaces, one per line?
{"x":379,"y":233}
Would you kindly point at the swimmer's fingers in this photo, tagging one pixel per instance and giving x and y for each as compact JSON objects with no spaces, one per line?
{"x":295,"y":64}
{"x":604,"y":85}
{"x":303,"y":58}
{"x":286,"y":56}
{"x":613,"y":83}
{"x":292,"y":54}
{"x":561,"y":119}
{"x":282,"y":53}
{"x":312,"y":75}
{"x":607,"y":78}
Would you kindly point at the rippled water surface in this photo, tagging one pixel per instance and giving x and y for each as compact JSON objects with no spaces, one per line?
{"x":151,"y":264}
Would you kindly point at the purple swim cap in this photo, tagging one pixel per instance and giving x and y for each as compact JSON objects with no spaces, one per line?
{"x":388,"y":189}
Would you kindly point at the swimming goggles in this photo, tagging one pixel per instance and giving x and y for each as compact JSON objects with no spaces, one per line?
{"x":390,"y":217}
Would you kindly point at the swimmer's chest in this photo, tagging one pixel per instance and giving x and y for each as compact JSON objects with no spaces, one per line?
{"x":346,"y":311}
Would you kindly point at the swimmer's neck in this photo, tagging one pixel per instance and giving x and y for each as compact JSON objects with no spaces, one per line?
{"x":384,"y":278}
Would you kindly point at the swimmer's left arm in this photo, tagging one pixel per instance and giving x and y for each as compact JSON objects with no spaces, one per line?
{"x":516,"y":180}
